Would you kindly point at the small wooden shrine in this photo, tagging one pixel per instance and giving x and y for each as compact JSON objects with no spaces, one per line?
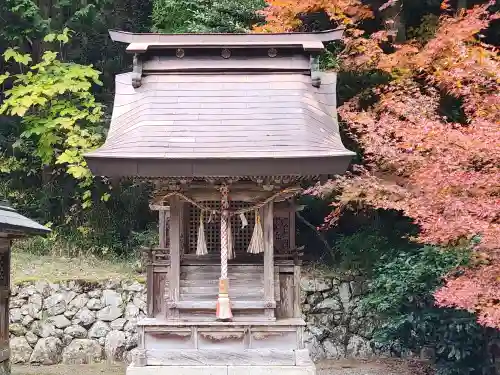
{"x":12,"y":225}
{"x":229,"y":127}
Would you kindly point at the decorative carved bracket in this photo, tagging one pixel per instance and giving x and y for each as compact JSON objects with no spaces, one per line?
{"x":137,"y":71}
{"x":269,"y":183}
{"x":315,"y":73}
{"x":270,"y":304}
{"x":219,"y":181}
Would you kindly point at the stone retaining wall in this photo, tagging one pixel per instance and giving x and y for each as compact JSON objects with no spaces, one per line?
{"x":78,"y":322}
{"x":336,"y":326}
{"x":74,"y":322}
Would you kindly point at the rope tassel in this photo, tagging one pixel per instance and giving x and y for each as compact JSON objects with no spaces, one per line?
{"x":223,"y":307}
{"x":256,"y":245}
{"x":201,"y":243}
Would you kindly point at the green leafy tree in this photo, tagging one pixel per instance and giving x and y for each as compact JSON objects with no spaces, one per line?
{"x":21,"y":21}
{"x":220,"y":16}
{"x":108,"y":226}
{"x":24,"y":23}
{"x":60,"y":117}
{"x":401,"y":294}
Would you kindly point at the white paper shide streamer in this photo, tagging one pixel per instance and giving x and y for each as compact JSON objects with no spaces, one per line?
{"x":201,"y":244}
{"x":256,"y":245}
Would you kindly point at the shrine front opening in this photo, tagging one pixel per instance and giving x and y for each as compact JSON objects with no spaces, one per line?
{"x":229,"y":128}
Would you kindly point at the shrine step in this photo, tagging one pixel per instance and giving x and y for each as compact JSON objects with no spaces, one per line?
{"x":211,"y":304}
{"x":235,"y":272}
{"x":163,"y":324}
{"x":212,"y":296}
{"x":215,"y":357}
{"x":214,"y":281}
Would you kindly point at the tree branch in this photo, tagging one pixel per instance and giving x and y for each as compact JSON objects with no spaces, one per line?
{"x":320,"y":235}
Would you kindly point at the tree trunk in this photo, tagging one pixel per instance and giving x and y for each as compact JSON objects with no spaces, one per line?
{"x":38,"y":45}
{"x":394,"y":19}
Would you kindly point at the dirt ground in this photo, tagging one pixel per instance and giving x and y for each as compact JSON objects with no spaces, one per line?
{"x":97,"y":369}
{"x":372,"y":367}
{"x":343,"y":367}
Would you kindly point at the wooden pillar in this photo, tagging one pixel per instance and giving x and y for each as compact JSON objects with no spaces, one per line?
{"x":297,"y":313}
{"x":4,"y":304}
{"x":150,"y":284}
{"x":175,"y":256}
{"x":157,"y":283}
{"x":269,"y":260}
{"x":162,"y":227}
{"x":163,"y":217}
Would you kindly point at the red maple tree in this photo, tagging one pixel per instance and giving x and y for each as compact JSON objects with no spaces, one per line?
{"x":443,"y":174}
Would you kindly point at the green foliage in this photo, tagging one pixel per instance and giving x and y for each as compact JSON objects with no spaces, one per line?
{"x":119,"y":226}
{"x":400,"y":293}
{"x":220,"y":16}
{"x":398,"y":276}
{"x":22,"y":20}
{"x":116,"y":227}
{"x":426,"y":30}
{"x":362,"y":249}
{"x":359,"y":239}
{"x":329,"y":58}
{"x":25,"y":23}
{"x":31,"y":28}
{"x":402,"y":277}
{"x":60,"y":115}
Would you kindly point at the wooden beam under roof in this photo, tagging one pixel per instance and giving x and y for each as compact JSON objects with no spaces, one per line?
{"x":307,"y":45}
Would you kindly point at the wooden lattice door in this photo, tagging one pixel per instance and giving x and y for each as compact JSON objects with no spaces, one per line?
{"x":283,"y":222}
{"x":241,"y":236}
{"x":284,"y":228}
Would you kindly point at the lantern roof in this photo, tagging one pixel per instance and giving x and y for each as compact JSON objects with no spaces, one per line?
{"x":13,"y":224}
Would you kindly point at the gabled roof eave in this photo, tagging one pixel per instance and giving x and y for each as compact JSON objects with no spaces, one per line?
{"x":226,"y":40}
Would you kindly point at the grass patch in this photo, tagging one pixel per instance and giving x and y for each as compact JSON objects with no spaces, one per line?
{"x":55,"y":258}
{"x":54,"y":268}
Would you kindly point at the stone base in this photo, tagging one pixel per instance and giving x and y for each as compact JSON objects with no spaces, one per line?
{"x":222,"y":370}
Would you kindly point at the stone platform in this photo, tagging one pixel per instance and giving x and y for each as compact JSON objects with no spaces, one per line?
{"x":221,"y":348}
{"x":223,"y":362}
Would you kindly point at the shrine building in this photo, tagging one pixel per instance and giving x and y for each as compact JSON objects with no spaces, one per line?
{"x":230,"y":128}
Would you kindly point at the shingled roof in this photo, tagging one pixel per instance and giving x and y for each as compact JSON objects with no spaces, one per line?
{"x":13,"y":223}
{"x":194,"y":113}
